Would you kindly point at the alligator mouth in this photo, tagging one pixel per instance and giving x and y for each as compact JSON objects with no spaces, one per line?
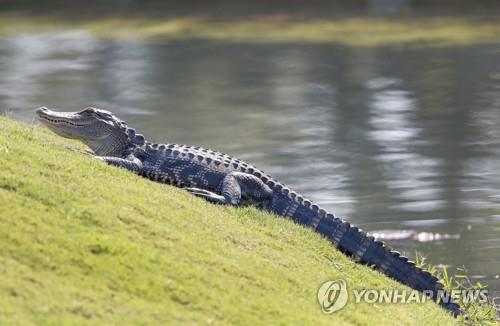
{"x":43,"y":116}
{"x":60,"y":121}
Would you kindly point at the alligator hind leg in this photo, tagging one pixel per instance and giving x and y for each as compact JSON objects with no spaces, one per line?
{"x":237,"y":188}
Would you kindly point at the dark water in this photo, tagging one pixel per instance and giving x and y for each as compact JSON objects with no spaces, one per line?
{"x":402,"y":141}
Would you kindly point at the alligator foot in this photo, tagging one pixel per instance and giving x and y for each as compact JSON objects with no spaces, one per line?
{"x":131,"y":163}
{"x":208,"y":195}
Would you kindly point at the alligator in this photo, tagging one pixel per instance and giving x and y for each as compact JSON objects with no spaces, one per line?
{"x":223,"y":179}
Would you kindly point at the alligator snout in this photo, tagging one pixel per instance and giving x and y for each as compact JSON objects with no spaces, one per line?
{"x":40,"y":110}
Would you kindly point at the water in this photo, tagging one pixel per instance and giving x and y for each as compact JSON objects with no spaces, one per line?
{"x":403,"y":141}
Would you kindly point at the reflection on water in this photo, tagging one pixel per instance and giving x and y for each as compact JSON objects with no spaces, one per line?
{"x":412,"y":235}
{"x":403,"y":141}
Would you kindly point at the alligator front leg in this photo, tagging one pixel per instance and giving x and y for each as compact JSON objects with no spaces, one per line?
{"x":237,"y":187}
{"x":131,"y":163}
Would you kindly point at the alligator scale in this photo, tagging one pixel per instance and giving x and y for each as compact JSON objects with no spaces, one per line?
{"x":222,"y":179}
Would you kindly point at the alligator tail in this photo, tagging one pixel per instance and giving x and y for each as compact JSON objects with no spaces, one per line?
{"x":364,"y":248}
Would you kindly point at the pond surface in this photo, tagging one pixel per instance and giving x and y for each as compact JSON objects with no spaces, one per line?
{"x":403,"y":141}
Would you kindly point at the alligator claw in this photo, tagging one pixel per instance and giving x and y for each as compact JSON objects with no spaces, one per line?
{"x":199,"y":191}
{"x":207,"y":195}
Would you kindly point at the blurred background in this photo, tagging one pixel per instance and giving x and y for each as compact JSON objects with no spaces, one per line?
{"x":386,"y":112}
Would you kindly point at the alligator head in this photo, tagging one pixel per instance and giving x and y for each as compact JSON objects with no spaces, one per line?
{"x":104,"y":133}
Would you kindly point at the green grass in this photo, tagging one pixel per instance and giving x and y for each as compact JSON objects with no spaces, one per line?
{"x":366,"y":31}
{"x":475,"y":313}
{"x":83,"y":242}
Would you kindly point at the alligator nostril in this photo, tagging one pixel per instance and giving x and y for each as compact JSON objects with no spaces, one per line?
{"x":41,"y":109}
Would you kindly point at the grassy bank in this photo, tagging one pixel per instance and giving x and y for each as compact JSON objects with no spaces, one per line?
{"x":84,"y":242}
{"x":366,"y":31}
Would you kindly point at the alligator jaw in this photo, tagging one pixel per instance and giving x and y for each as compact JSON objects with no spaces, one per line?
{"x":49,"y":117}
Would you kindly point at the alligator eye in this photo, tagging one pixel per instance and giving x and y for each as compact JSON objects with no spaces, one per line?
{"x":89,"y":110}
